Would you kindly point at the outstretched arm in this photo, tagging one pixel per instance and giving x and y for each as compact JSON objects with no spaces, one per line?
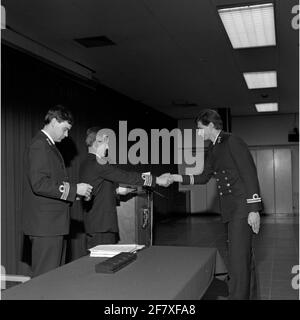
{"x":196,"y":179}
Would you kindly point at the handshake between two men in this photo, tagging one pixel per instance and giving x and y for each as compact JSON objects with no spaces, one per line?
{"x":166,"y":179}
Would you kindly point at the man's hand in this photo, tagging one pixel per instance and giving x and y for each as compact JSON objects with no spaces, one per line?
{"x":84,"y":189}
{"x":177,"y":177}
{"x":164,"y":180}
{"x":254,"y":221}
{"x":124,"y":191}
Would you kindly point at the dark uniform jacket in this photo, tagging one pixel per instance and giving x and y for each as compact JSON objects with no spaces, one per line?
{"x":100,"y":213}
{"x":230,"y":162}
{"x":46,"y":191}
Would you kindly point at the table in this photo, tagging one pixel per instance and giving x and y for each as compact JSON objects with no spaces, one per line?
{"x":159,"y":273}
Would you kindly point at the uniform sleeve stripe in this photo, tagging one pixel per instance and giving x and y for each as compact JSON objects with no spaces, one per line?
{"x":147,"y":179}
{"x":66,"y":191}
{"x":150,"y":180}
{"x":253,"y":201}
{"x":192,"y":180}
{"x":255,"y":198}
{"x":62,"y":190}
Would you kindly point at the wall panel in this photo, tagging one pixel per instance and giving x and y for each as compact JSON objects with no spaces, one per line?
{"x":283,"y":181}
{"x":265,"y":171}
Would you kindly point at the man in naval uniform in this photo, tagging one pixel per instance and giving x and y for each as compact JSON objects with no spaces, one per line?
{"x":47,"y":193}
{"x":229,"y":161}
{"x":100,"y":213}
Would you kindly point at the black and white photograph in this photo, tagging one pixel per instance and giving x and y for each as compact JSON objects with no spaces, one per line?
{"x":150,"y":153}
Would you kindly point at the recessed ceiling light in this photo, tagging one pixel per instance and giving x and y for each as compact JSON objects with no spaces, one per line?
{"x":257,"y":80}
{"x":249,"y":26}
{"x":266,"y":107}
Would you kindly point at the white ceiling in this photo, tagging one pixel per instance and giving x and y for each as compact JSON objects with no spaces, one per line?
{"x":166,"y":50}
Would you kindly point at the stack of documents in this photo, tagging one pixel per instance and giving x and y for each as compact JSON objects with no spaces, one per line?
{"x":110,"y":250}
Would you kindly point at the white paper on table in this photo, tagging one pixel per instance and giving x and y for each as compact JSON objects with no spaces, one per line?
{"x":110,"y":250}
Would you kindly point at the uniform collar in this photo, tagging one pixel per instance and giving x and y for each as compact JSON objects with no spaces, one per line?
{"x":50,"y":138}
{"x":217,"y":138}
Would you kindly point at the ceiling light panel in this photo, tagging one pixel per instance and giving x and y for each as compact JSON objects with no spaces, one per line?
{"x":258,"y":80}
{"x":249,"y":26}
{"x":266,"y":107}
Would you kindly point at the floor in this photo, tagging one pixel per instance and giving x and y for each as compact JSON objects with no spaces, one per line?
{"x":276,"y":250}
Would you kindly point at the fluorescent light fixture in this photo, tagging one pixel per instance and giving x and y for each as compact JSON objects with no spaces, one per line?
{"x":266,"y":107}
{"x":257,"y":80}
{"x":249,"y":26}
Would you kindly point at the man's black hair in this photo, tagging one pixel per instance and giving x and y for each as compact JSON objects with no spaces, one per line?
{"x":209,"y":115}
{"x":60,"y":113}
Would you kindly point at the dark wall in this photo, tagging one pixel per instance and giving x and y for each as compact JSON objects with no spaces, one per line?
{"x":29,"y":88}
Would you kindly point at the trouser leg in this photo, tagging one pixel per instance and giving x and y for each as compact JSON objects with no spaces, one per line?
{"x":240,"y":259}
{"x":97,"y":238}
{"x":48,"y":253}
{"x":254,"y":282}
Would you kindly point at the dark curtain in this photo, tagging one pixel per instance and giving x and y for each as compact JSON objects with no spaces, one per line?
{"x":29,"y":88}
